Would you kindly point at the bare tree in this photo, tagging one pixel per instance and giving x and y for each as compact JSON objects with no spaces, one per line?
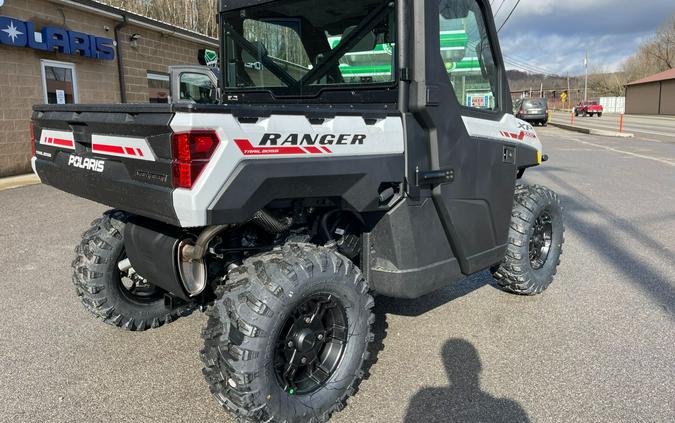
{"x":654,"y":56}
{"x":195,"y":15}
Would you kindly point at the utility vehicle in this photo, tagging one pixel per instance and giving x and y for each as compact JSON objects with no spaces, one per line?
{"x":360,"y":148}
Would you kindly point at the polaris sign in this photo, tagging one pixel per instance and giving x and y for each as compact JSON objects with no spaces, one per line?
{"x":14,"y":32}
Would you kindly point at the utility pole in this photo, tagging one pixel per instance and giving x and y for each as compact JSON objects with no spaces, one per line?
{"x":586,"y":82}
{"x":541,"y":90}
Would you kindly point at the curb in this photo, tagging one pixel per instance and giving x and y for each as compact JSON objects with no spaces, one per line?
{"x":19,"y":181}
{"x":590,"y":131}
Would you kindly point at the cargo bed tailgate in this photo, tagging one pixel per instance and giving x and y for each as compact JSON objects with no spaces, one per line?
{"x":117,"y":155}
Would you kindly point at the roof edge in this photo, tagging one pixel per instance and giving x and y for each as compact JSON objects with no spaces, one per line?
{"x":658,"y":77}
{"x":143,"y":21}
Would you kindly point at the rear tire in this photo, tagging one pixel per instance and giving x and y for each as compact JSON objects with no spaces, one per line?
{"x":98,"y":281}
{"x":599,"y":115}
{"x":535,"y":245}
{"x":249,"y":345}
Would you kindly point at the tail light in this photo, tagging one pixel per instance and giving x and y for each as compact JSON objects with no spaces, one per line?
{"x":191,"y":153}
{"x":32,"y":138}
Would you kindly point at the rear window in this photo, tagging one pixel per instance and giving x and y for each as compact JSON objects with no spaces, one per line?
{"x":535,"y":103}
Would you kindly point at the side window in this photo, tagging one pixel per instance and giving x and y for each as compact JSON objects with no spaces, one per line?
{"x":467,"y":54}
{"x":198,"y":88}
{"x":281,"y":42}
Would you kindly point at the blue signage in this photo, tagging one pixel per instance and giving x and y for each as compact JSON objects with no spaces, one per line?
{"x":14,"y":32}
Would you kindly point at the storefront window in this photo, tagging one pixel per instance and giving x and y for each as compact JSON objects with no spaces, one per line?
{"x":59,"y":82}
{"x":159,"y":88}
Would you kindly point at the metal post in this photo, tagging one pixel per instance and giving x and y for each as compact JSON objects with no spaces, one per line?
{"x":586,"y":82}
{"x":569,"y":93}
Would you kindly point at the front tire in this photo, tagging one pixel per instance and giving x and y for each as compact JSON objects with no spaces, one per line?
{"x":536,"y":239}
{"x":275,"y":330}
{"x":101,"y":285}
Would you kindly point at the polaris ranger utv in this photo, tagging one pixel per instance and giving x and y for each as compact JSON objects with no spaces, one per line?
{"x":360,"y":148}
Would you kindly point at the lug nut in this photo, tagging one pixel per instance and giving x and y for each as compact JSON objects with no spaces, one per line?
{"x":308,"y":320}
{"x":290,"y":344}
{"x":320,"y":337}
{"x":303,"y":360}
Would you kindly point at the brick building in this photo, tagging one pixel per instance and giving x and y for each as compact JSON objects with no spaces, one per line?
{"x":72,"y":51}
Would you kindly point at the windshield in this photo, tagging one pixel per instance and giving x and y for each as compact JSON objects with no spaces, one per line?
{"x":300,"y":47}
{"x":535,"y":103}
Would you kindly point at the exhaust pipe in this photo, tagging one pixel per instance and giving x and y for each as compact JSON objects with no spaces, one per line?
{"x":190,"y":259}
{"x":192,"y":272}
{"x":190,"y":253}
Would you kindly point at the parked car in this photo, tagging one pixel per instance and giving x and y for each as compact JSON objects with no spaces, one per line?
{"x":589,"y":108}
{"x":532,"y":110}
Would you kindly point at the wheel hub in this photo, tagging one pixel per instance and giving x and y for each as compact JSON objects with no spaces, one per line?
{"x":311,"y":344}
{"x":541,"y":238}
{"x":305,"y":340}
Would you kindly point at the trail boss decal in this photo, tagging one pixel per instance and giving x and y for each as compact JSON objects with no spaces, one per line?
{"x":294,"y":144}
{"x":88,"y":164}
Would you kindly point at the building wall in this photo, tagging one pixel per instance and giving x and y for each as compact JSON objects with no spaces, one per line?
{"x":97,"y":80}
{"x":668,"y":97}
{"x":642,"y":99}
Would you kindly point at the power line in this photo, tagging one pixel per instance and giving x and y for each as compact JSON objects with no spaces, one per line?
{"x":518,"y":62}
{"x":528,"y":69}
{"x":499,"y":8}
{"x":525,"y":64}
{"x":509,"y":17}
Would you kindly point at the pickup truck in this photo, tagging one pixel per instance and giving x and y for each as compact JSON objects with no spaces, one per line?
{"x":589,"y":108}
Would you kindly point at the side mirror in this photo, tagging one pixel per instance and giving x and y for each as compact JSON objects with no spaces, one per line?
{"x":367,"y":43}
{"x":453,"y":9}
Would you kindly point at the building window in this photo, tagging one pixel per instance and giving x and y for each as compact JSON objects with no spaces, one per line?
{"x":59,"y":82}
{"x":158,"y":88}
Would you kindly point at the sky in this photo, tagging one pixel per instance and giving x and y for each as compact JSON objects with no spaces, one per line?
{"x":552,"y":35}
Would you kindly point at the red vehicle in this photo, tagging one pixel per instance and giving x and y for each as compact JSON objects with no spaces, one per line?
{"x":589,"y":108}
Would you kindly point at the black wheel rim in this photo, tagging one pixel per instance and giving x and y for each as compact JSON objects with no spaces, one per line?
{"x":136,"y":288}
{"x":311,"y":345}
{"x":541,"y":239}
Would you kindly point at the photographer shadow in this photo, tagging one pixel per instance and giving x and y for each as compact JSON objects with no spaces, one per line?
{"x":463,"y":400}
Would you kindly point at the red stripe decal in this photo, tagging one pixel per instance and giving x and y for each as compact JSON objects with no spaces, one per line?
{"x":326,"y":149}
{"x":130,"y":151}
{"x":314,"y":150}
{"x":62,"y":142}
{"x":522,"y":135}
{"x":103,"y":148}
{"x":140,"y":152}
{"x":249,"y":150}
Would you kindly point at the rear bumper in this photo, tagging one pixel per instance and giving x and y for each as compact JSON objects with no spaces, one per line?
{"x":113,"y":188}
{"x":532,"y":118}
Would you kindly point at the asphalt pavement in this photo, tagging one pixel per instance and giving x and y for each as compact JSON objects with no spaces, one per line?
{"x":647,"y":128}
{"x":598,"y":346}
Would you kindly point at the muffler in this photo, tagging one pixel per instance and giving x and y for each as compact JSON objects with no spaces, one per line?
{"x":165,"y":256}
